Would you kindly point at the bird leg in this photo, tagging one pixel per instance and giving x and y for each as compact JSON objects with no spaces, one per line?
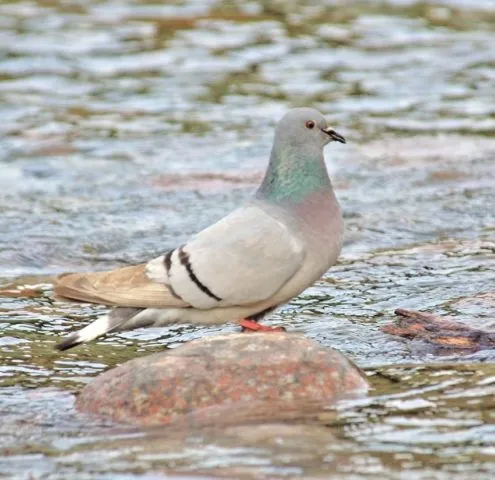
{"x":252,"y":326}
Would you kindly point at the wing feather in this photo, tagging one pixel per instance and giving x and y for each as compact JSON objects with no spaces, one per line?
{"x":242,"y":259}
{"x":125,"y":287}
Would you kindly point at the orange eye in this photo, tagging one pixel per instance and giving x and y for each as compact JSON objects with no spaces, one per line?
{"x":310,"y":124}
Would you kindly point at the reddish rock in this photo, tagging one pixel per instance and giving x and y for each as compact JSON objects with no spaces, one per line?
{"x":230,"y":379}
{"x":441,"y":331}
{"x":208,"y":181}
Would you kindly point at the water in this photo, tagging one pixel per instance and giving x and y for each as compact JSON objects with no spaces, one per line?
{"x":128,"y":125}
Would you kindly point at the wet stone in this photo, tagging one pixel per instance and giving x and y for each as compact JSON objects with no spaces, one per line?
{"x":228,"y":379}
{"x":441,"y":331}
{"x":208,"y":181}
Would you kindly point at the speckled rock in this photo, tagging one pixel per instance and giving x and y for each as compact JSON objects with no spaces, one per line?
{"x":239,"y":377}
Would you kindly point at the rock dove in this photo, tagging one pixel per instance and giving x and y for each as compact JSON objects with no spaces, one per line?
{"x":242,"y":267}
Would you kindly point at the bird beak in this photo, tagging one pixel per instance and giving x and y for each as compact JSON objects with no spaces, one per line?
{"x":333,"y":134}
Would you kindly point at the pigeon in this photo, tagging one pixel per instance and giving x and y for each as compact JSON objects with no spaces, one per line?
{"x":242,"y":267}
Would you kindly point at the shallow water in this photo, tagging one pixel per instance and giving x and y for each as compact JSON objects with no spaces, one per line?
{"x":129,"y":125}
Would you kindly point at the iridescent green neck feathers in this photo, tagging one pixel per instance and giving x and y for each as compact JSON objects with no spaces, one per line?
{"x":293,"y":174}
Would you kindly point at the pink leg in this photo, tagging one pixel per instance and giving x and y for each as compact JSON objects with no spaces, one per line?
{"x":250,"y":326}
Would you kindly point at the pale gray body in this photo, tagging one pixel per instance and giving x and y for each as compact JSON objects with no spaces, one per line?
{"x":251,"y":261}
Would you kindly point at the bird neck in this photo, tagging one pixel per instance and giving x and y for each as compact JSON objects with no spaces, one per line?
{"x":293,"y":174}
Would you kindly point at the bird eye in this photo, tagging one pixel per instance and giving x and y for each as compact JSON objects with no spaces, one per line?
{"x":310,"y":124}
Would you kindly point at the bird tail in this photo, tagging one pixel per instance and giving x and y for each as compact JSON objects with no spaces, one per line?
{"x":110,"y":322}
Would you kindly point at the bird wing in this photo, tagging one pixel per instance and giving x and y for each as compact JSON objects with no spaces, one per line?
{"x":244,"y":258}
{"x":125,"y":287}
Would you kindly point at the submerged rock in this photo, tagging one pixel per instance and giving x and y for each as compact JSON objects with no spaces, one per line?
{"x":225,"y":379}
{"x":442,"y":331}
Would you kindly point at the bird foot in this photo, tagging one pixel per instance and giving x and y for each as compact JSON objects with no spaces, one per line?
{"x":250,"y":326}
